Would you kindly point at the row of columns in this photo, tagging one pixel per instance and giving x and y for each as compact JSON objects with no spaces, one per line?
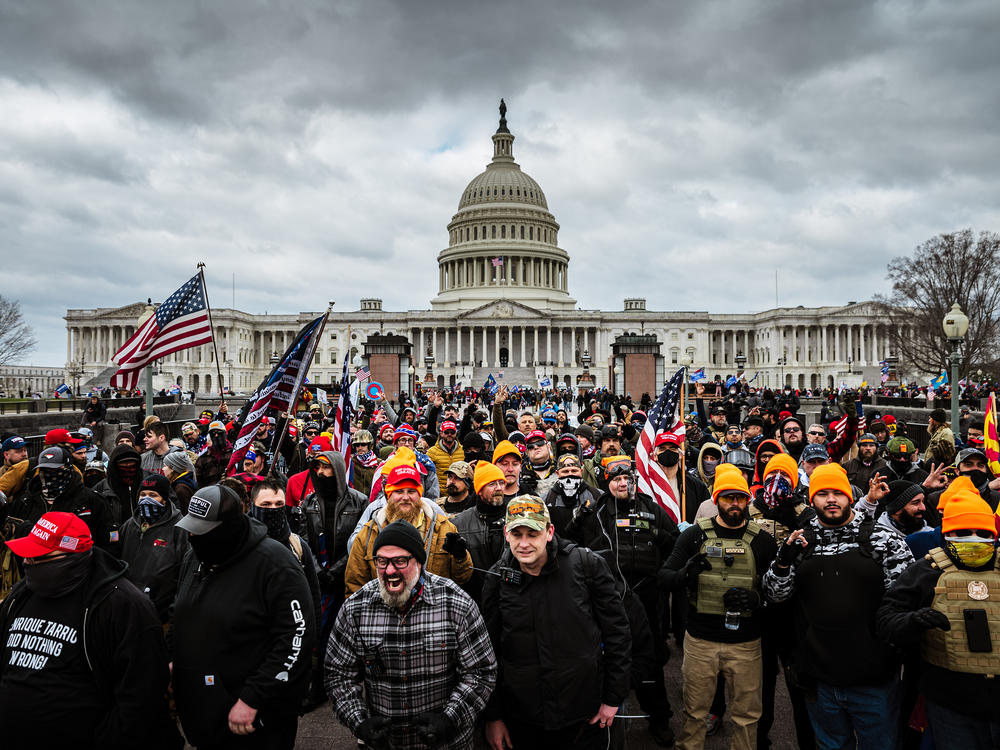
{"x":516,"y":270}
{"x":526,"y":345}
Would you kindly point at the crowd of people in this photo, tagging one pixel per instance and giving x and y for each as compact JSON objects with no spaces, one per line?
{"x":482,"y":570}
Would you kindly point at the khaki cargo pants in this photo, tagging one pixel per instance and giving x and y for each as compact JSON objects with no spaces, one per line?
{"x":740,"y":665}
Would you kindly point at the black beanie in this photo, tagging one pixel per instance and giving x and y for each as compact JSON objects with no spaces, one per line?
{"x":900,"y":493}
{"x":157,"y":483}
{"x":404,"y":535}
{"x":474,"y":441}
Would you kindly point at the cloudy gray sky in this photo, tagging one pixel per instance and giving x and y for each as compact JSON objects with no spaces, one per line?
{"x":318,"y":150}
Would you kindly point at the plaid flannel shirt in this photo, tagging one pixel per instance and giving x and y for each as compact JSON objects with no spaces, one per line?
{"x":436,"y":658}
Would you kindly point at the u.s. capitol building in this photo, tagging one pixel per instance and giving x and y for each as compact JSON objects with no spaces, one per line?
{"x":504,"y":304}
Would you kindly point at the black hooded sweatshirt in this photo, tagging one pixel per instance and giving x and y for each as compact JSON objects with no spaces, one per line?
{"x":243,"y":629}
{"x":120,"y":497}
{"x":101,"y":648}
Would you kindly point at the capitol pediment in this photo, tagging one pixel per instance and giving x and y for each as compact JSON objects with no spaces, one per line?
{"x":502,"y":310}
{"x":128,"y":311}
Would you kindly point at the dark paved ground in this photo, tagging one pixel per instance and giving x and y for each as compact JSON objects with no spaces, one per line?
{"x":320,"y":729}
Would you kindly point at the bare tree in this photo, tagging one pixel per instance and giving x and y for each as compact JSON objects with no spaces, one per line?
{"x":16,"y":336}
{"x":946,"y":269}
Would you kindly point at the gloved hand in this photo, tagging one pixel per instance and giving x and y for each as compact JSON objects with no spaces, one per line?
{"x":455,"y":545}
{"x":586,"y":508}
{"x":327,"y":578}
{"x":528,"y":482}
{"x":846,"y":402}
{"x":433,"y":728}
{"x":789,"y":554}
{"x":929,"y":618}
{"x":739,"y":599}
{"x":694,"y":567}
{"x":374,"y":732}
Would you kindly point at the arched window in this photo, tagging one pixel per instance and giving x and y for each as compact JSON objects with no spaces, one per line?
{"x":475,"y":233}
{"x":522,"y":231}
{"x":494,"y":233}
{"x":531,"y":233}
{"x":503,"y":231}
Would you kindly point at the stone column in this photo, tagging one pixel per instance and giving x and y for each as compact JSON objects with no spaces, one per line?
{"x":836,"y":344}
{"x":862,"y":354}
{"x":534,"y":352}
{"x":484,"y":348}
{"x":458,"y":346}
{"x":524,"y":362}
{"x":562,"y":351}
{"x":850,"y":342}
{"x":548,"y":343}
{"x":447,"y":346}
{"x":496,"y":346}
{"x":822,"y":334}
{"x":510,"y":346}
{"x":420,"y":347}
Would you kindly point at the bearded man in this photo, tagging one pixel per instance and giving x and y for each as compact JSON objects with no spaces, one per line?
{"x":404,"y":503}
{"x":384,"y":696}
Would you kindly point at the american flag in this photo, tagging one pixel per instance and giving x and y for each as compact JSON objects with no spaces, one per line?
{"x":179,"y":323}
{"x":662,"y":417}
{"x":363,"y":373}
{"x":840,"y":425}
{"x":276,"y":392}
{"x":497,"y":261}
{"x":342,"y":420}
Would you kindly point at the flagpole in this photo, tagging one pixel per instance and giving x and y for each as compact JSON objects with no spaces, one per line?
{"x":215,"y":347}
{"x":682,"y":478}
{"x":295,"y":394}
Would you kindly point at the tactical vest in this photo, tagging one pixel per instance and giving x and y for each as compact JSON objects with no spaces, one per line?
{"x":778,"y":530}
{"x":741,"y":572}
{"x":956,"y":591}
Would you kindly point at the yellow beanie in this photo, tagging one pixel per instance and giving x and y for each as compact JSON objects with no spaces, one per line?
{"x":728,"y":478}
{"x":486,"y":473}
{"x":967,"y":510}
{"x":784,"y":463}
{"x":829,"y":477}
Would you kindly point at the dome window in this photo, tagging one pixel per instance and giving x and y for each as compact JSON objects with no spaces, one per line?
{"x":494,"y":192}
{"x":522,"y":231}
{"x":503,"y":231}
{"x":502,"y":191}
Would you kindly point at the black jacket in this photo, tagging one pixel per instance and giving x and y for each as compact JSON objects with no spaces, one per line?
{"x":641,"y":535}
{"x":120,"y":498}
{"x":562,"y":639}
{"x":336,"y":520}
{"x":94,"y":413}
{"x":585,"y":529}
{"x":154,"y":557}
{"x":127,"y":657}
{"x":242,"y":630}
{"x":482,"y":530}
{"x":76,"y":499}
{"x":968,"y":694}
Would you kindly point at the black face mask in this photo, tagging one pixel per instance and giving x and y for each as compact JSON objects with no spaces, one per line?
{"x":275,"y":519}
{"x":221,"y":543}
{"x":326,"y":487}
{"x":668,"y":458}
{"x":978,"y":477}
{"x":51,"y":580}
{"x":900,"y":467}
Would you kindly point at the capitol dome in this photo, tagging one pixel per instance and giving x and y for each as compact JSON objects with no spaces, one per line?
{"x":502,"y":241}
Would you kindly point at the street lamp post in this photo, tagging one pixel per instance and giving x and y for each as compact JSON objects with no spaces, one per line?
{"x":617,"y":371}
{"x":956,"y":325}
{"x":410,"y":371}
{"x":741,"y":362}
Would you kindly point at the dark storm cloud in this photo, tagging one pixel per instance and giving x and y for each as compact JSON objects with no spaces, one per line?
{"x":305,"y":146}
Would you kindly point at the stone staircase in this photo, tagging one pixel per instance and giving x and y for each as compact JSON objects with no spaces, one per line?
{"x":101,"y":379}
{"x":511,"y":376}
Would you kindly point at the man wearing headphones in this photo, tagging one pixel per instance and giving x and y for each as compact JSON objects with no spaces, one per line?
{"x":641,"y":535}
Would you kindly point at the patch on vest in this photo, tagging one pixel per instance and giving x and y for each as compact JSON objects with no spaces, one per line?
{"x":979,"y":591}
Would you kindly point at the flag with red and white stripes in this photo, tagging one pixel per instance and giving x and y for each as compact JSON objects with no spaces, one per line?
{"x":840,"y":425}
{"x":278,"y":391}
{"x":664,"y":416}
{"x":179,"y":323}
{"x":342,"y":419}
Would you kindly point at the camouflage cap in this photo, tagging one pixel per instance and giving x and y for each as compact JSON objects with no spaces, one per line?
{"x":461,"y":469}
{"x":529,"y":511}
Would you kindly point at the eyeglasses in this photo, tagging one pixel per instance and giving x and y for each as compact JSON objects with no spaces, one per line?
{"x":397,"y":562}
